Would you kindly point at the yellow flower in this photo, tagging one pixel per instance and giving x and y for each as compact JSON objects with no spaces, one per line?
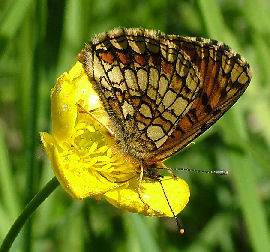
{"x":85,"y":159}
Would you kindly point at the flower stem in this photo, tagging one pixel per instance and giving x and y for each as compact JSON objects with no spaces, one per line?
{"x":27,"y":212}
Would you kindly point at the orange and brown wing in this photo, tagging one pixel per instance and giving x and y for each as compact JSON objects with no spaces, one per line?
{"x":145,"y":82}
{"x":162,"y":91}
{"x":225,"y":76}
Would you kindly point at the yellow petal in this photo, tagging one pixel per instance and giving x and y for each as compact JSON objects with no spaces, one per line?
{"x":49,"y":144}
{"x":52,"y":151}
{"x":73,"y":89}
{"x":63,"y":107}
{"x":177,"y":192}
{"x":85,"y":94}
{"x":76,"y":179}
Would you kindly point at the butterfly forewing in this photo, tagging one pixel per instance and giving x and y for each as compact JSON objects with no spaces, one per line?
{"x":162,"y":91}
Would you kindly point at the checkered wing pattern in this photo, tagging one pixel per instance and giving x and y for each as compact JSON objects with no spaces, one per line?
{"x":162,"y":91}
{"x":224,"y":77}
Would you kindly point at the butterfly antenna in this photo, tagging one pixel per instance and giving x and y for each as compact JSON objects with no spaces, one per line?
{"x":178,"y":223}
{"x":222,"y":172}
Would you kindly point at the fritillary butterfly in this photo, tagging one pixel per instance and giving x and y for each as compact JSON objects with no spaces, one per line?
{"x":162,"y":91}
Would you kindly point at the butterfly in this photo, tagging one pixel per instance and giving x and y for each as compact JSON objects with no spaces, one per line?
{"x":162,"y":91}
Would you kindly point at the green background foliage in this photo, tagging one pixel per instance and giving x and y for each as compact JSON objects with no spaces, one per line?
{"x":39,"y":40}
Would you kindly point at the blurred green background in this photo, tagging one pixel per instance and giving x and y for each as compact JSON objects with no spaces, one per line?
{"x":40,"y":39}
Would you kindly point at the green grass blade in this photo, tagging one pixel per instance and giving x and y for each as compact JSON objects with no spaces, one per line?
{"x":262,"y":65}
{"x":214,"y":24}
{"x":5,"y":222}
{"x":72,"y":36}
{"x":31,"y":135}
{"x":253,"y":211}
{"x":214,"y":233}
{"x":7,"y":182}
{"x":257,"y":13}
{"x":11,"y":18}
{"x":143,"y":233}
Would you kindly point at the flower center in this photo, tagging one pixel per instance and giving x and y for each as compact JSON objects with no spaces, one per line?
{"x":93,"y":151}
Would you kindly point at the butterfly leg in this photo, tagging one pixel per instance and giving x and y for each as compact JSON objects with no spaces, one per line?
{"x":140,"y":187}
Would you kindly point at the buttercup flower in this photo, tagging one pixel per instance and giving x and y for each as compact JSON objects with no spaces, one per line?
{"x":85,"y":158}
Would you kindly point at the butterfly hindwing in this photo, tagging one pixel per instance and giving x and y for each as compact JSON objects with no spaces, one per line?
{"x":225,"y":76}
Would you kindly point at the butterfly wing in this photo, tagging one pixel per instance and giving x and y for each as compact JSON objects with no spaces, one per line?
{"x":162,"y":91}
{"x":225,"y":76}
{"x":146,"y":84}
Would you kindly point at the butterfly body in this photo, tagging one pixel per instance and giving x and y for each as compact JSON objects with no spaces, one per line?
{"x":162,"y":91}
